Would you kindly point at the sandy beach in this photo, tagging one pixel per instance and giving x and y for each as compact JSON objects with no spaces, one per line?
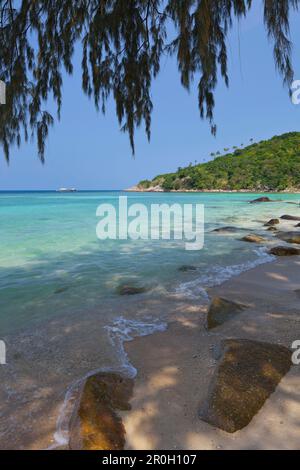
{"x":175,"y":368}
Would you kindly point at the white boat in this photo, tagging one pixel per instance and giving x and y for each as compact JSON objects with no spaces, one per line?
{"x":66,"y":190}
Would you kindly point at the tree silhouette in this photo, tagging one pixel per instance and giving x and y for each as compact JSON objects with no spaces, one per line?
{"x":121,"y":44}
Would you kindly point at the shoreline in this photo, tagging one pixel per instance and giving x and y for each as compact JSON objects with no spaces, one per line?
{"x":185,"y":327}
{"x":136,"y":189}
{"x":175,"y":368}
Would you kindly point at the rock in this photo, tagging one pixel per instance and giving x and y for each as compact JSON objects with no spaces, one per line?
{"x":284,"y":251}
{"x":290,"y":217}
{"x":60,"y":290}
{"x":298,"y":225}
{"x":186,"y":268}
{"x":126,"y":289}
{"x":95,"y":424}
{"x":297,"y":292}
{"x":227,"y":229}
{"x":261,"y":199}
{"x":272,"y":222}
{"x":289,"y":237}
{"x":252,"y":238}
{"x":247,"y":375}
{"x":272,"y":229}
{"x":221,"y":310}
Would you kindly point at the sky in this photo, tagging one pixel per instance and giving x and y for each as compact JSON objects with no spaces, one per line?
{"x":86,"y":150}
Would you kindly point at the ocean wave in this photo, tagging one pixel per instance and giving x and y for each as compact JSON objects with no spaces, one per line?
{"x":196,"y":289}
{"x":121,"y":330}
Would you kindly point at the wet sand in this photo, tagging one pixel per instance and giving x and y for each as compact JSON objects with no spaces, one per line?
{"x":175,"y":368}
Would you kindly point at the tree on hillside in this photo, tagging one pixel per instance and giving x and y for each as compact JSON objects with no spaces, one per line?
{"x":121,"y":44}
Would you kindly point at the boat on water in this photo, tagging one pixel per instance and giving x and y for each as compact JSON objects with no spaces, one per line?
{"x":66,"y":190}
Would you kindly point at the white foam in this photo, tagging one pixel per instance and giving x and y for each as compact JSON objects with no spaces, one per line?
{"x":120,"y":331}
{"x":196,"y":289}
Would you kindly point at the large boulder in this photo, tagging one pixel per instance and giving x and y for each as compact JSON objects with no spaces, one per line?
{"x":289,"y":237}
{"x":95,"y":424}
{"x":284,"y":251}
{"x":248,"y":373}
{"x":261,"y":199}
{"x":221,"y":310}
{"x":252,"y":238}
{"x":290,"y":217}
{"x":272,"y":222}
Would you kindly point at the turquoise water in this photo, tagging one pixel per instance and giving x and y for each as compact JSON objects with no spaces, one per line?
{"x":51,"y":262}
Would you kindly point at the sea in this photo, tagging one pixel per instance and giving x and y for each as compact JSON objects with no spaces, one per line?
{"x":53,"y":264}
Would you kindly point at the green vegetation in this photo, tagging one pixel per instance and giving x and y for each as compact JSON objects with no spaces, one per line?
{"x":271,"y":165}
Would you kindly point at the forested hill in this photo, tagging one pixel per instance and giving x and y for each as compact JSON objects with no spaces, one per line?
{"x":270,"y":165}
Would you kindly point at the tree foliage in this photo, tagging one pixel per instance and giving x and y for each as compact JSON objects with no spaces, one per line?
{"x":271,"y":165}
{"x":122,"y":43}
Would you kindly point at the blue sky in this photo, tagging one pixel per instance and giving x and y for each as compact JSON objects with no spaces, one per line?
{"x":87,"y":150}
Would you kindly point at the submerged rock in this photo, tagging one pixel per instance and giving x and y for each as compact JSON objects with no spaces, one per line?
{"x":228,"y":229}
{"x":60,"y":290}
{"x":289,"y":237}
{"x":126,"y":289}
{"x":284,"y":251}
{"x":252,"y":238}
{"x":290,"y":217}
{"x":248,"y":373}
{"x":221,"y":310}
{"x":272,"y":229}
{"x":261,"y":199}
{"x":95,"y":424}
{"x":297,"y":291}
{"x":272,"y":222}
{"x":185,"y":268}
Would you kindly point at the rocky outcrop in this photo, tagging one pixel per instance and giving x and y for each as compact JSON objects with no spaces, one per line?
{"x":95,"y":424}
{"x":284,"y":251}
{"x":261,"y":199}
{"x":247,"y":375}
{"x":222,"y":310}
{"x":290,"y":217}
{"x":126,"y":289}
{"x":252,"y":238}
{"x":289,"y":237}
{"x":272,"y":222}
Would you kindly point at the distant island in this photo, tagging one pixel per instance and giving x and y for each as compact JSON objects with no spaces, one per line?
{"x":268,"y":166}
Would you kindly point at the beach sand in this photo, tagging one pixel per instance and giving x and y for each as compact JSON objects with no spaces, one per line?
{"x":175,"y":368}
